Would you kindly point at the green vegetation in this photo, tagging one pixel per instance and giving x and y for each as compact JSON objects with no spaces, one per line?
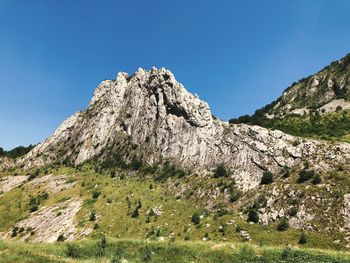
{"x":16,"y":152}
{"x":267,"y":178}
{"x":196,"y":219}
{"x":114,"y":250}
{"x":253,"y":215}
{"x":221,"y":171}
{"x":163,"y":215}
{"x":283,"y":225}
{"x":303,"y":238}
{"x":305,"y":175}
{"x":328,"y":126}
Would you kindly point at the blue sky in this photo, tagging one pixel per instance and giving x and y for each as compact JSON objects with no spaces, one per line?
{"x":237,"y":55}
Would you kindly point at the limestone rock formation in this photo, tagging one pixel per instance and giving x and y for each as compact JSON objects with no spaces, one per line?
{"x":152,"y":117}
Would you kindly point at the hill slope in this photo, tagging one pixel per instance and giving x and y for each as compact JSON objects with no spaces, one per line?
{"x":146,"y":160}
{"x":317,"y":106}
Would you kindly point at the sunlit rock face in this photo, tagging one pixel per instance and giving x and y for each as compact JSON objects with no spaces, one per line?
{"x":152,"y":117}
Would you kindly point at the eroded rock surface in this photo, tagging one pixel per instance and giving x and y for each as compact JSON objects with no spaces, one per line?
{"x":10,"y":182}
{"x":48,"y":223}
{"x":53,"y":183}
{"x":154,"y":115}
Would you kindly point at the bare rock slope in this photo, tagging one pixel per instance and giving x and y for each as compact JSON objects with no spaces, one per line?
{"x":152,"y":117}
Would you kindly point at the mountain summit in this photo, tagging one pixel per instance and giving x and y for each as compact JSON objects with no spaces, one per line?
{"x":149,"y":116}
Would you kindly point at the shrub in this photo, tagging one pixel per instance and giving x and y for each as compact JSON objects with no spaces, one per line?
{"x":267,"y":178}
{"x":33,"y":208}
{"x":60,"y":238}
{"x":316,"y":179}
{"x":286,"y":253}
{"x":253,"y":215}
{"x":293,"y":211}
{"x":34,"y":174}
{"x":222,"y":212}
{"x":235,"y":196}
{"x":196,"y":219}
{"x":303,"y":238}
{"x":33,"y":204}
{"x":95,"y":194}
{"x":136,"y":164}
{"x":221,"y":171}
{"x":92,"y":216}
{"x":72,"y":251}
{"x":305,"y":175}
{"x":135,"y":213}
{"x":169,"y":171}
{"x":283,"y":225}
{"x":43,"y":196}
{"x":14,"y":231}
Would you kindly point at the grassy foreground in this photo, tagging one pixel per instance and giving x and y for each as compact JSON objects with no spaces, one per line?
{"x":116,"y":250}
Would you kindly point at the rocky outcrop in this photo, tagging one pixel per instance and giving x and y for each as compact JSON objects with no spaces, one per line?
{"x":152,"y":117}
{"x":10,"y":182}
{"x":51,"y":222}
{"x":326,"y":91}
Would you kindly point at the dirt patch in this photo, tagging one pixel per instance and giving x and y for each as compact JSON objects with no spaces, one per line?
{"x":11,"y":182}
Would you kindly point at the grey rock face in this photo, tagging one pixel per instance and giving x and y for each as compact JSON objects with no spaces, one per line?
{"x":162,"y":121}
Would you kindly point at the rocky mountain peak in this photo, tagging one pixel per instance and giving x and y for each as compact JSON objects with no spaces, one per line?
{"x":160,"y":88}
{"x":150,"y":116}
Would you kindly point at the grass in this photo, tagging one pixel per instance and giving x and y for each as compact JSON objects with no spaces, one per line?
{"x":153,"y":251}
{"x":118,"y":199}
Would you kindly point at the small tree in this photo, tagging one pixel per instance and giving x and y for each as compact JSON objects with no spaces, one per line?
{"x":305,"y":175}
{"x":303,"y":238}
{"x":283,"y":225}
{"x":267,"y":178}
{"x":14,"y":231}
{"x":33,"y":204}
{"x":316,"y":179}
{"x":135,"y":213}
{"x":92,"y":216}
{"x":196,"y":218}
{"x":221,"y":171}
{"x":60,"y":238}
{"x":95,"y":194}
{"x":253,"y":215}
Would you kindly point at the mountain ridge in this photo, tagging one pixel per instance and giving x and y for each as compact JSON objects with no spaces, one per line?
{"x":151,"y":117}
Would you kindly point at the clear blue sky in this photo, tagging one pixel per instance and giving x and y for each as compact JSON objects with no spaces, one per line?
{"x":237,"y":55}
